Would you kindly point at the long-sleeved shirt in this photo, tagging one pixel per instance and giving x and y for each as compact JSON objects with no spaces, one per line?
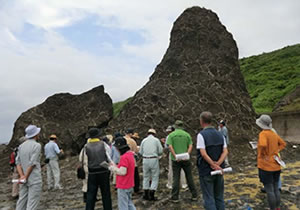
{"x":51,"y":150}
{"x":29,"y":155}
{"x":151,"y":147}
{"x":224,"y":132}
{"x":269,"y":144}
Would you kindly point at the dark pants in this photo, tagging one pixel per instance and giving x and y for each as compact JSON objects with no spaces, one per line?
{"x":136,"y":180}
{"x":270,"y":179}
{"x":187,"y":168}
{"x":213,"y":192}
{"x":94,"y":181}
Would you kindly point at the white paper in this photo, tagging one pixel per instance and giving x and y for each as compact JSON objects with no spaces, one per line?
{"x":17,"y":181}
{"x":253,"y":144}
{"x":279,"y":161}
{"x":183,"y":156}
{"x":225,"y":170}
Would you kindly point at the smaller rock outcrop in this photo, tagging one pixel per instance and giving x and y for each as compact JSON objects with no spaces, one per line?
{"x":290,"y":102}
{"x":68,"y":116}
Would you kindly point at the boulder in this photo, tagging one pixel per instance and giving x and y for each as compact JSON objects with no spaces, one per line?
{"x":68,"y":116}
{"x":199,"y":72}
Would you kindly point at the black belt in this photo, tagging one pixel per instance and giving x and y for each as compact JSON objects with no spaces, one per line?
{"x":150,"y":157}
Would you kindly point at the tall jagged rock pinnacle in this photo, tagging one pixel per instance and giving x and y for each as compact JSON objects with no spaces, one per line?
{"x":199,"y":72}
{"x":68,"y":116}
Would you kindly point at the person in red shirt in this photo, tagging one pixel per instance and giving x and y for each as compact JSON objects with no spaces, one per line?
{"x":125,"y":174}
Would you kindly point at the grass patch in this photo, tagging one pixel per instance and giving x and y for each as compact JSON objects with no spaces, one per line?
{"x":117,"y":107}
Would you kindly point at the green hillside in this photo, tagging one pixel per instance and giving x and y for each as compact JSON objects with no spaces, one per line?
{"x":270,"y":76}
{"x":119,"y":105}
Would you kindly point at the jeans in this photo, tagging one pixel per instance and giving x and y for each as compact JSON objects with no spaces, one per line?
{"x":125,"y":199}
{"x":98,"y":180}
{"x":213,"y":192}
{"x":273,"y":195}
{"x":187,"y":168}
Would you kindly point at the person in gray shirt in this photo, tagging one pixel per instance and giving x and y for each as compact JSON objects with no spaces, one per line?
{"x":29,"y":169}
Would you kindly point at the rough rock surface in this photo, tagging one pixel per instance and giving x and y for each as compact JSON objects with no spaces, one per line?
{"x":199,"y":72}
{"x":290,"y":102}
{"x":68,"y":116}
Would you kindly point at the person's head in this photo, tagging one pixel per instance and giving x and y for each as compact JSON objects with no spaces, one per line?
{"x":170,"y":129}
{"x":151,"y":131}
{"x":52,"y":137}
{"x":129,"y":132}
{"x":121,"y":145}
{"x":205,"y":119}
{"x":222,"y":123}
{"x":178,"y":124}
{"x":264,"y":122}
{"x":94,"y":133}
{"x":32,"y":132}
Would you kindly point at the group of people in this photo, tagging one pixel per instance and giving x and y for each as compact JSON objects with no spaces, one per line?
{"x":117,"y":158}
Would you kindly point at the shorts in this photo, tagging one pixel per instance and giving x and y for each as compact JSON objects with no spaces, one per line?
{"x":268,"y":177}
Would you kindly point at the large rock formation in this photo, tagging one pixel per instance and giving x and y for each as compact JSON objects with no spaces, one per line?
{"x":199,"y":72}
{"x":68,"y":116}
{"x":290,"y":102}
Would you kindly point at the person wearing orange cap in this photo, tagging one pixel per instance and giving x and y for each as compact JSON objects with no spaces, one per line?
{"x":53,"y":173}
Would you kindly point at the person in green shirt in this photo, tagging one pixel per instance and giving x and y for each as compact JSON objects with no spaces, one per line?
{"x":180,"y":142}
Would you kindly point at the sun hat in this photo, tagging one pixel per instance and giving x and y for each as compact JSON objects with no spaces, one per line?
{"x":264,"y":122}
{"x":151,"y":130}
{"x":178,"y":123}
{"x":120,"y":143}
{"x":222,"y":122}
{"x":136,"y":135}
{"x":170,"y":128}
{"x":94,"y":133}
{"x":31,"y":131}
{"x":52,"y":136}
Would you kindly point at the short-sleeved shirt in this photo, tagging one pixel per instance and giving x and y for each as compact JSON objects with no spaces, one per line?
{"x":180,"y":141}
{"x":201,"y":142}
{"x":51,"y":150}
{"x":29,"y":155}
{"x":127,"y":161}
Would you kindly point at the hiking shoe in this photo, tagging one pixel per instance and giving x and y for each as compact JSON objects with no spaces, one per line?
{"x":194,"y":198}
{"x":174,"y":200}
{"x":169,"y":186}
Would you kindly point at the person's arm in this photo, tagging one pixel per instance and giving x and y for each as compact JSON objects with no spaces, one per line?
{"x":281,"y":144}
{"x":172,"y":151}
{"x":262,"y":143}
{"x":56,"y":149}
{"x":20,"y":171}
{"x":141,"y":152}
{"x":34,"y":160}
{"x":212,"y":163}
{"x":122,"y":171}
{"x":160,"y":148}
{"x":224,"y":153}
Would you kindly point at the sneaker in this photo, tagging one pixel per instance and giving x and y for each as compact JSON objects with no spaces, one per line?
{"x":174,"y":200}
{"x":184,"y":188}
{"x":194,"y":198}
{"x":169,"y":186}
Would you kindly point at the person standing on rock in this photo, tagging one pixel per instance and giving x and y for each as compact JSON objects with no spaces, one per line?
{"x":212,"y":151}
{"x":223,"y":129}
{"x":29,"y":169}
{"x":180,"y":142}
{"x":53,"y":173}
{"x":125,"y":174}
{"x":184,"y":186}
{"x":15,"y":175}
{"x":150,"y":150}
{"x":97,"y":152}
{"x":268,"y":147}
{"x":133,"y":147}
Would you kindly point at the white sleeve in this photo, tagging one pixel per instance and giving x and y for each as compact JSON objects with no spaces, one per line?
{"x":225,"y":145}
{"x":108,"y":151}
{"x":200,"y":142}
{"x":122,"y":171}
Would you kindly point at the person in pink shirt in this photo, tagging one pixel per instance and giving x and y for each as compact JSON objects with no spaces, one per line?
{"x":125,"y":174}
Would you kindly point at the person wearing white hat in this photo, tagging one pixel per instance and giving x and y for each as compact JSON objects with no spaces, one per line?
{"x":53,"y":173}
{"x":150,"y":150}
{"x":29,"y":169}
{"x":268,"y":147}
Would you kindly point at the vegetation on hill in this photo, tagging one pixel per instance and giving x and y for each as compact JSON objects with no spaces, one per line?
{"x":117,"y":107}
{"x":270,"y":76}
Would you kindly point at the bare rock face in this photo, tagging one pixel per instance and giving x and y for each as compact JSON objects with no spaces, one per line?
{"x":290,"y":102}
{"x":68,"y":116}
{"x":199,"y":72}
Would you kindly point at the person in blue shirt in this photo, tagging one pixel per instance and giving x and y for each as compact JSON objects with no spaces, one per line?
{"x":53,"y":173}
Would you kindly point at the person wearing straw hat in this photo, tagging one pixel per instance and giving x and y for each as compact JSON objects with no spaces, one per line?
{"x":53,"y":173}
{"x":150,"y":150}
{"x":29,"y":169}
{"x":268,"y":146}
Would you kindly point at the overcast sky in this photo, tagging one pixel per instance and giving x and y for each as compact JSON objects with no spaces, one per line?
{"x":48,"y":47}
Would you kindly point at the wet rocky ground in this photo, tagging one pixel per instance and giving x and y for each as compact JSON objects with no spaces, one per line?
{"x":242,"y":188}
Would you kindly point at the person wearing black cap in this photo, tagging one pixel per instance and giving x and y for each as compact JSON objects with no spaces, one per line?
{"x":125,"y":174}
{"x":97,"y":152}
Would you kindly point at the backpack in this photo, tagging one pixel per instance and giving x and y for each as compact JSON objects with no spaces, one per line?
{"x":12,"y":157}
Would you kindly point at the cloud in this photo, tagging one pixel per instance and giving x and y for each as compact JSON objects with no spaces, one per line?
{"x":55,"y":46}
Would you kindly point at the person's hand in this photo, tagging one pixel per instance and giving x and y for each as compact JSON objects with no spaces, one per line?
{"x":22,"y":179}
{"x":62,"y":151}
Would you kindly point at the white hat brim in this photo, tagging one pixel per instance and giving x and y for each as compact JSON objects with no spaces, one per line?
{"x":38,"y":130}
{"x":263,"y":126}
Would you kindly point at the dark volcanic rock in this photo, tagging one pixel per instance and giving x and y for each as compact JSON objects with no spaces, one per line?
{"x":288,"y":102}
{"x":199,"y":72}
{"x":68,"y":116}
